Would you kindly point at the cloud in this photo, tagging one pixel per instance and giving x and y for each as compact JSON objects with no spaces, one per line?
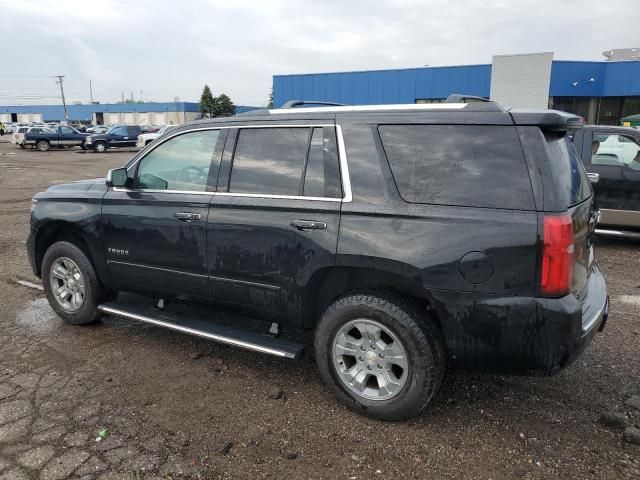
{"x":169,"y":49}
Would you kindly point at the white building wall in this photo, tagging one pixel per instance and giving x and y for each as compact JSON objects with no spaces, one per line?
{"x":111,"y":118}
{"x":521,"y":80}
{"x":5,"y":117}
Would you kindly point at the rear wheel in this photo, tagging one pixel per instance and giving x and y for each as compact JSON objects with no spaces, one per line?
{"x":380,"y":354}
{"x":71,"y":284}
{"x":100,"y":147}
{"x":43,"y":146}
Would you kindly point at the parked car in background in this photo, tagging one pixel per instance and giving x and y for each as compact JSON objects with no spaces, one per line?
{"x":117,"y":136}
{"x":405,"y":238}
{"x":98,"y":129}
{"x":77,"y":124}
{"x":61,"y":137}
{"x":145,"y":139}
{"x":17,"y":137}
{"x":150,"y":128}
{"x":611,"y":156}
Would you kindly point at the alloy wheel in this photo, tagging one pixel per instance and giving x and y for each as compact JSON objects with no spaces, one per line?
{"x":370,"y":360}
{"x":67,"y":284}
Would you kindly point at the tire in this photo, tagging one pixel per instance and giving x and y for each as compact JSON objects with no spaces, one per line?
{"x":21,"y":145}
{"x":43,"y":146}
{"x":100,"y":147}
{"x":411,"y":330}
{"x":82,"y":146}
{"x":69,"y":255}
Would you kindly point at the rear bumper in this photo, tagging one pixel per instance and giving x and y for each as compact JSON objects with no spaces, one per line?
{"x":520,"y":335}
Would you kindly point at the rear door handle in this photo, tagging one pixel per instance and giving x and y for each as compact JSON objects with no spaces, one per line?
{"x":593,"y":177}
{"x":187,"y":216}
{"x":308,"y":225}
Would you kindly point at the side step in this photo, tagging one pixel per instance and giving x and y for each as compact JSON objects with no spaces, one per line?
{"x":207,"y":329}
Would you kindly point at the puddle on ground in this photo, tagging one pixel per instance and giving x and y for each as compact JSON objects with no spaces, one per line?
{"x":38,"y":317}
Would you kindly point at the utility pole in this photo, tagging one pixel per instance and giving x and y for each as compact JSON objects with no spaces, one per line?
{"x":122,"y":96}
{"x":90,"y":92}
{"x":131,"y":97}
{"x":140,"y":96}
{"x":64,"y":103}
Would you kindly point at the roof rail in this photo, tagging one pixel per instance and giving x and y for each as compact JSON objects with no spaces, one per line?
{"x":297,"y":103}
{"x":460,"y":98}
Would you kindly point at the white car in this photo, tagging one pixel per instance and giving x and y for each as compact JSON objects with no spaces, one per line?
{"x":145,"y":139}
{"x":614,"y":150}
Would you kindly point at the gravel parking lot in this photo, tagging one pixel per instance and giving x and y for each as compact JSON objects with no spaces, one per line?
{"x":120,"y":400}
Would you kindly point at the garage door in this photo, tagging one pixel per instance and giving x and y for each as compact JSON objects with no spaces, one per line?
{"x":128,"y":118}
{"x":37,"y":117}
{"x":113,"y":118}
{"x":5,"y":117}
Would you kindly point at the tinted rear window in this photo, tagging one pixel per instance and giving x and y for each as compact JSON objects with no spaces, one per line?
{"x":567,"y":169}
{"x":465,"y":165}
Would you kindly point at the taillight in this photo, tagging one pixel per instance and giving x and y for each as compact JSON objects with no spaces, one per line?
{"x":556,"y":270}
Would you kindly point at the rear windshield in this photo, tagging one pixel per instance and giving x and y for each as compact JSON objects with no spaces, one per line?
{"x":567,"y":169}
{"x":464,"y":165}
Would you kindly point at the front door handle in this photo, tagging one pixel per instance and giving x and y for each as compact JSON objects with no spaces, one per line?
{"x":308,"y":225}
{"x":188,"y":216}
{"x":593,"y":177}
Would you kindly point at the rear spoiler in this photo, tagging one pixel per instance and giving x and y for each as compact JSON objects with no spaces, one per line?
{"x":547,"y":120}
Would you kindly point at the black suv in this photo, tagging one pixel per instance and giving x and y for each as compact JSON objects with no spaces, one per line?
{"x":406,"y":237}
{"x":117,"y":136}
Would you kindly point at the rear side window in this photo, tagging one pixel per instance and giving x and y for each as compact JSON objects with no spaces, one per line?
{"x":322,"y":175}
{"x":287,"y":161}
{"x":463,"y":165}
{"x":567,"y":170}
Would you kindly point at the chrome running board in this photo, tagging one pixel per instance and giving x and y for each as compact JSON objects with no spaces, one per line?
{"x":617,"y":233}
{"x":204,"y":328}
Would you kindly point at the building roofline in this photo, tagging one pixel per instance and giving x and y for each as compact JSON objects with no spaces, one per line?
{"x":383,"y":70}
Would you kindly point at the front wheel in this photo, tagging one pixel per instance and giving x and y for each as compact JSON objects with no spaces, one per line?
{"x":380,"y":354}
{"x":100,"y":147}
{"x":71,"y":285}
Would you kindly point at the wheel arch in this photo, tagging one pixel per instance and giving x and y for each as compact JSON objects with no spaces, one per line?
{"x":329,"y":284}
{"x":56,"y":231}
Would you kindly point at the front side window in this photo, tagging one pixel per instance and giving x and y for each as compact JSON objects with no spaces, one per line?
{"x":615,"y":150}
{"x":269,"y":161}
{"x":122,"y":131}
{"x":181,"y":163}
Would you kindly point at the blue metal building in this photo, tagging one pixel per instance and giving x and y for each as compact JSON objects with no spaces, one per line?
{"x":602,"y":92}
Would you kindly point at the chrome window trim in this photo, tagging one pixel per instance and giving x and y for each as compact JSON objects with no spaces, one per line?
{"x":347,"y":196}
{"x":371,"y":108}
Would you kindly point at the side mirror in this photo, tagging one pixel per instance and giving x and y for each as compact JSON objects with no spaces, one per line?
{"x":117,"y":177}
{"x":593,"y":177}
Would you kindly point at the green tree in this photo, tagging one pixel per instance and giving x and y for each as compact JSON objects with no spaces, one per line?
{"x":224,"y":107}
{"x":270,"y":102}
{"x":207,"y":102}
